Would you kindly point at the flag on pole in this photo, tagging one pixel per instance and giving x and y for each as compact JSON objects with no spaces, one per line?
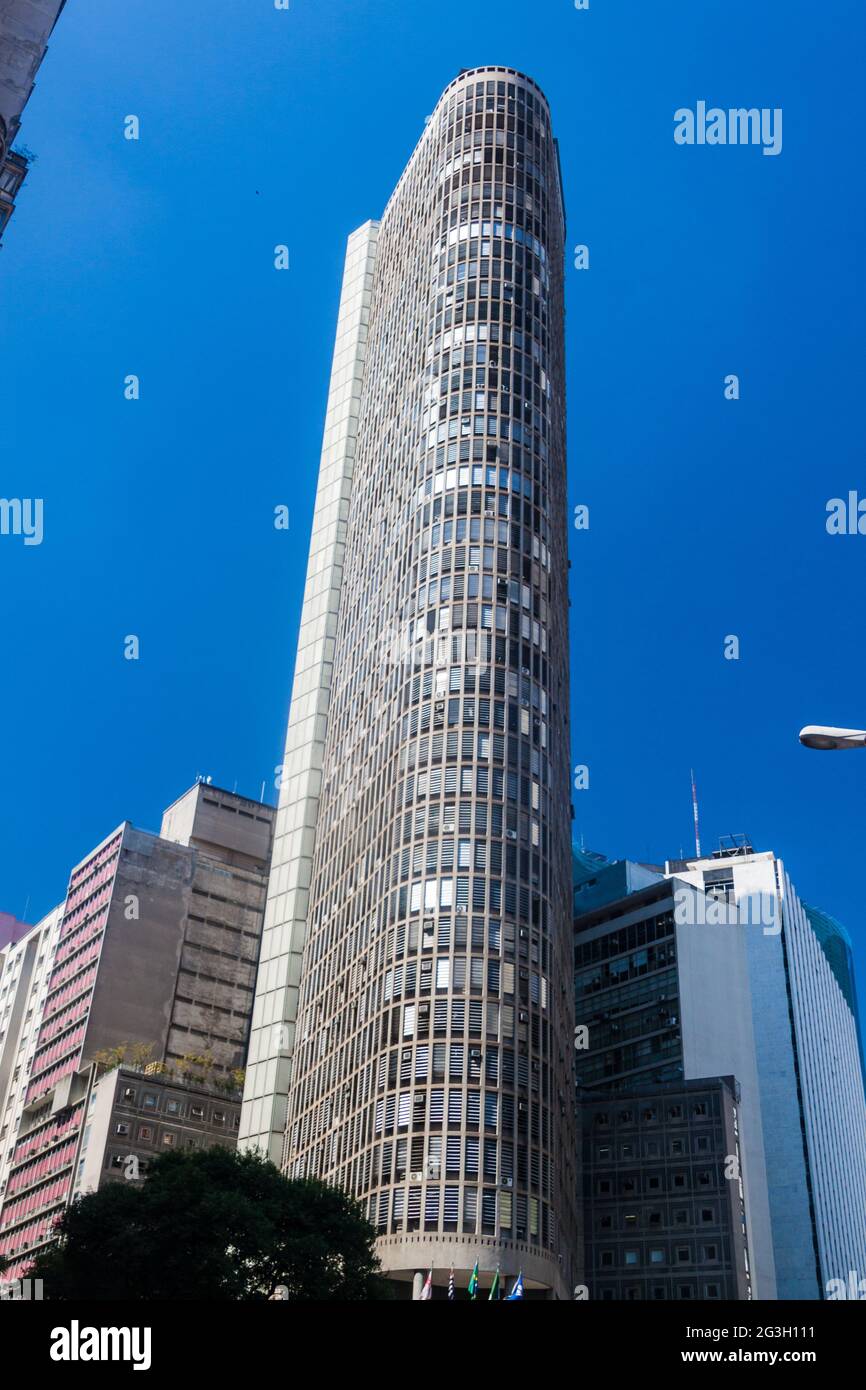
{"x":451,"y":1291}
{"x":473,"y":1282}
{"x":516,"y":1290}
{"x":427,"y":1291}
{"x":493,"y":1296}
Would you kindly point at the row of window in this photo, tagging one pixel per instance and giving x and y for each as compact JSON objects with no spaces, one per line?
{"x":639,"y":1256}
{"x":201,"y":1110}
{"x":652,"y":1114}
{"x":681,"y":1181}
{"x":657,"y":1217}
{"x":654,"y":1148}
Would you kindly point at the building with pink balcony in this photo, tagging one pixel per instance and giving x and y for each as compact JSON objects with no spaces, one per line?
{"x":157,"y":944}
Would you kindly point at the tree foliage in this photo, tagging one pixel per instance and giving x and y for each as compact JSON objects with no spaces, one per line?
{"x":213,"y":1224}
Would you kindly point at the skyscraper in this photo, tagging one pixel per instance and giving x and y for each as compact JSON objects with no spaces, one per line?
{"x":25,"y":27}
{"x":412,"y":1028}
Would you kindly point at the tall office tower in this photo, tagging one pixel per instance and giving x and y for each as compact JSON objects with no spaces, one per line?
{"x":663,"y":1002}
{"x":808,"y":1055}
{"x":413,"y":1009}
{"x":25,"y":27}
{"x":157,"y":945}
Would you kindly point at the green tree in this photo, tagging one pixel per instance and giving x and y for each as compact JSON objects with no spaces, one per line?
{"x":213,"y":1224}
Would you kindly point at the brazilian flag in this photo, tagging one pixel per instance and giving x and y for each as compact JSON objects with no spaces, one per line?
{"x":493,"y":1296}
{"x":473,"y":1282}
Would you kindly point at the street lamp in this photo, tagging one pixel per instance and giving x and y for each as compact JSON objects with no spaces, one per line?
{"x":817,"y":736}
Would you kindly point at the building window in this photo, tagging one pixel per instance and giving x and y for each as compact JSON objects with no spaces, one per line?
{"x":169,"y":1140}
{"x":145,"y":1132}
{"x":149,"y":1101}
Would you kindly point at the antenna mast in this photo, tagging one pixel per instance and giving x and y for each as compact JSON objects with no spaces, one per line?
{"x":695,"y":810}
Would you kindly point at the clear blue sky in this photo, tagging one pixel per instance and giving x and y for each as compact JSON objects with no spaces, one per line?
{"x":707,"y":517}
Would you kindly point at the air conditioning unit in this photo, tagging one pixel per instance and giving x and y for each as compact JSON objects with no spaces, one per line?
{"x":488,"y":511}
{"x":511,"y":834}
{"x":507,"y":1182}
{"x":461,"y":911}
{"x":416,"y":1177}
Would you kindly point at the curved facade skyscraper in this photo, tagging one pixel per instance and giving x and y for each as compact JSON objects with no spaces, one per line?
{"x":412,"y":1036}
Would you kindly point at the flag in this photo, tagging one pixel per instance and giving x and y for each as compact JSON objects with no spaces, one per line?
{"x":451,"y":1292}
{"x":473,"y":1282}
{"x":427,"y":1291}
{"x":493,"y":1296}
{"x":516,"y":1290}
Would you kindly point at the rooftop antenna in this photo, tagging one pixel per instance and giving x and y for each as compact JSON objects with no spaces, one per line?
{"x":695,"y":810}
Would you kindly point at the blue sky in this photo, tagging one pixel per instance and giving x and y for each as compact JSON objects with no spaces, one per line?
{"x":707,"y":517}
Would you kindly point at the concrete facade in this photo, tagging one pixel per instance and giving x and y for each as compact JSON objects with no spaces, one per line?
{"x":135,"y":1114}
{"x":272,"y":1038}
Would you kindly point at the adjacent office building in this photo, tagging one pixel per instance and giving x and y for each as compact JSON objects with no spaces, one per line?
{"x":718,"y":971}
{"x":25,"y":968}
{"x":664,"y":1004}
{"x":663,"y":1219}
{"x":136,"y":1113}
{"x":807,"y":1047}
{"x":157,"y":944}
{"x":25,"y":27}
{"x":412,"y":1034}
